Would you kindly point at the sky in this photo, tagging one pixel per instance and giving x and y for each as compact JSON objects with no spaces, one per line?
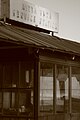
{"x":69,"y":16}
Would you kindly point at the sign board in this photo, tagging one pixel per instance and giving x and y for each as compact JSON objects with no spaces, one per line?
{"x":47,"y":19}
{"x":23,"y":11}
{"x":28,"y":13}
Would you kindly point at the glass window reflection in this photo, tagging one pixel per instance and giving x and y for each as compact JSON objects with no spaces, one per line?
{"x":75,"y":89}
{"x":62,"y":88}
{"x":46,"y":87}
{"x":9,"y":103}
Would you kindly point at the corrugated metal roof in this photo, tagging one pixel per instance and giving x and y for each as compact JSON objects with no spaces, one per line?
{"x":38,"y":39}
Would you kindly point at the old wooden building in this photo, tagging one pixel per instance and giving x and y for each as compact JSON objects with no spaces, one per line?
{"x":39,"y":75}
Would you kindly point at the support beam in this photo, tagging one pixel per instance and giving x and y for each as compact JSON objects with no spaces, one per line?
{"x":36,"y":88}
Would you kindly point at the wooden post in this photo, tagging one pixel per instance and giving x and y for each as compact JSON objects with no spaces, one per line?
{"x":70,"y":92}
{"x":54,"y":90}
{"x":36,"y":88}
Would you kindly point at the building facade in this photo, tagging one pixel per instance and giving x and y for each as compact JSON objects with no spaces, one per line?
{"x":39,"y":76}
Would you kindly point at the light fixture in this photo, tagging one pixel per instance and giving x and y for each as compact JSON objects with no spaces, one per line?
{"x":73,"y":57}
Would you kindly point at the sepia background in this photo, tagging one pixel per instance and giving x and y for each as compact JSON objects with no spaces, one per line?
{"x":69,"y":16}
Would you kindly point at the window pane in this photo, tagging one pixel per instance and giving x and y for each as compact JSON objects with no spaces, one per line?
{"x":25,"y":103}
{"x":62,"y":87}
{"x":15,"y":74}
{"x":75,"y":89}
{"x":1,"y":75}
{"x":6,"y":100}
{"x":7,"y":75}
{"x":0,"y":101}
{"x":46,"y":87}
{"x":26,"y":75}
{"x":10,"y":75}
{"x":9,"y":105}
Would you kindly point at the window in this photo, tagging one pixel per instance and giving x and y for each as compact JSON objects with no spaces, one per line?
{"x":75,"y":89}
{"x":16,"y":90}
{"x":9,"y":103}
{"x":62,"y":89}
{"x":25,"y":104}
{"x":10,"y":75}
{"x":26,"y":94}
{"x":1,"y":75}
{"x":26,"y":75}
{"x":0,"y":101}
{"x":46,"y":87}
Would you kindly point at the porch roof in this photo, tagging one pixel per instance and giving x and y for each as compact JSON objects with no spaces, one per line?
{"x":11,"y":34}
